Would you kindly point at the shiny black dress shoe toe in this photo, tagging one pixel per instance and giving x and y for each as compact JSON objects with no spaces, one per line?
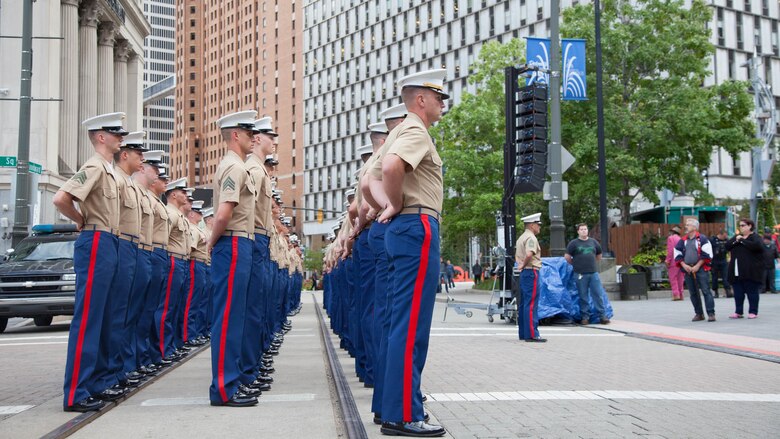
{"x":265,"y":379}
{"x":86,"y":405}
{"x":238,"y":400}
{"x":111,"y":394}
{"x":412,"y":429}
{"x":263,"y":387}
{"x":134,"y":376}
{"x":249,"y":390}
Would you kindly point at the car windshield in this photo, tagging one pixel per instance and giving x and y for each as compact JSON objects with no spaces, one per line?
{"x":36,"y":250}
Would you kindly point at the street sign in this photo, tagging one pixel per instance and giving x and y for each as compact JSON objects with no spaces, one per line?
{"x":7,"y":161}
{"x":547,"y":191}
{"x":566,"y":160}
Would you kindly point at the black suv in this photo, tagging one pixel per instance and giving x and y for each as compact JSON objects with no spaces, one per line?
{"x":37,"y":278}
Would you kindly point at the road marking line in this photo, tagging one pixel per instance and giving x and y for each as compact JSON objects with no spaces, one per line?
{"x":161,"y":402}
{"x":51,"y":337}
{"x":488,"y":328}
{"x":13,"y":409}
{"x":514,"y":334}
{"x":30,"y":344}
{"x":604,"y":394}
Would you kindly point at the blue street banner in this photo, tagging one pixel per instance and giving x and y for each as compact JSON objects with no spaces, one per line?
{"x":538,"y":54}
{"x":574,"y":79}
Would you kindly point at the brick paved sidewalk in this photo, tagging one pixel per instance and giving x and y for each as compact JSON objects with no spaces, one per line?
{"x":485,"y":383}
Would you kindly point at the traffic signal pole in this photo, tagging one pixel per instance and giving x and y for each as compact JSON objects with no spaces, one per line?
{"x":22,"y":202}
{"x":555,"y":155}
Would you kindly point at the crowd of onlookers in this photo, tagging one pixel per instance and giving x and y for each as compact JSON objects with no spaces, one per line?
{"x":744,"y":264}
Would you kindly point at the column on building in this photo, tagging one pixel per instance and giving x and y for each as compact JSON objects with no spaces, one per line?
{"x":69,"y":88}
{"x":105,"y":66}
{"x":88,"y":21}
{"x":121,"y":55}
{"x":135,"y":92}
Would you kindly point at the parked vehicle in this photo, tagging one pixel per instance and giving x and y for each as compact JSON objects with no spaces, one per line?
{"x":37,"y":279}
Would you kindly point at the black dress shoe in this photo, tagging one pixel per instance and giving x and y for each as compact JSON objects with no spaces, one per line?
{"x":377,"y":419}
{"x":265,"y":379}
{"x":165,"y":362}
{"x":134,"y":376}
{"x":273,"y":351}
{"x":263,"y":387}
{"x":267,"y":370}
{"x":249,"y":390}
{"x":424,"y":398}
{"x":111,"y":394}
{"x":412,"y":429}
{"x":536,"y":340}
{"x":129,"y":383}
{"x":237,"y":400}
{"x":89,"y":404}
{"x":368,"y":386}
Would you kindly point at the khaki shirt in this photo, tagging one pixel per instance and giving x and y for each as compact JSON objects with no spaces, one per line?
{"x":528,"y":243}
{"x":129,"y":197}
{"x":147,"y":216}
{"x":233,"y":184}
{"x":162,"y":222}
{"x":179,"y":237}
{"x":94,"y":186}
{"x":424,"y":186}
{"x":273,"y":245}
{"x":207,"y":235}
{"x":263,"y":192}
{"x":198,"y":244}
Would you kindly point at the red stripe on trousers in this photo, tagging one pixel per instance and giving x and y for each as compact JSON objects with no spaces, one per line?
{"x":225,"y":321}
{"x":189,"y":297}
{"x":531,"y":308}
{"x":85,"y":315}
{"x":165,"y":307}
{"x":415,"y":314}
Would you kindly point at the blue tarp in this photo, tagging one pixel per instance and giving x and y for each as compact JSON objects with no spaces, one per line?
{"x":558,"y":295}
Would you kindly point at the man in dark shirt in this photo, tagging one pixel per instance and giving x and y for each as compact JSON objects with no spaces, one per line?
{"x":476,"y":271}
{"x":583,"y":253}
{"x":770,"y":257}
{"x":719,"y":263}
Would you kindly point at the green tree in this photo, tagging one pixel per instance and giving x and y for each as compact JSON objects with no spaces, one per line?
{"x":470,"y":140}
{"x":312,"y":260}
{"x":660,"y":123}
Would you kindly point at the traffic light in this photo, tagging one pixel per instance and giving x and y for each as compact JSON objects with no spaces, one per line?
{"x":531,"y":138}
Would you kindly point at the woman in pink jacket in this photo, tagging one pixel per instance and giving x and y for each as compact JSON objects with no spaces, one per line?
{"x":676,"y":275}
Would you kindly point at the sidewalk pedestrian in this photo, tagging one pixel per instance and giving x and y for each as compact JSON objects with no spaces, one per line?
{"x":693,"y":254}
{"x":746,"y":269}
{"x":720,"y":264}
{"x":676,"y":275}
{"x":770,"y":259}
{"x":450,"y":274}
{"x":476,"y":271}
{"x":583,"y":253}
